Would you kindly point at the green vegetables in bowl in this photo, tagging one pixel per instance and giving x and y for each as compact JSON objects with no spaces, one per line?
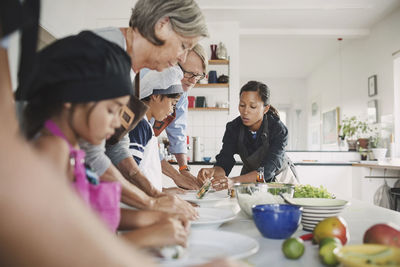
{"x":308,"y":191}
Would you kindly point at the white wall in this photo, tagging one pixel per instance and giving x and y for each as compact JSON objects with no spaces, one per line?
{"x":210,"y":125}
{"x":360,"y":59}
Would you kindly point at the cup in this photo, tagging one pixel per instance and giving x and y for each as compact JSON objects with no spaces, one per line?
{"x":212,"y":76}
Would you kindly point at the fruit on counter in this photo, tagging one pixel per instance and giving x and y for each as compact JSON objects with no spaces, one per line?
{"x":371,"y":255}
{"x":327,"y":240}
{"x":308,"y":191}
{"x":293,"y":248}
{"x":326,"y":252}
{"x":331,"y":227}
{"x":385,"y":234}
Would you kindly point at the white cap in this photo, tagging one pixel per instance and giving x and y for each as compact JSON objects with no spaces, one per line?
{"x":165,"y":82}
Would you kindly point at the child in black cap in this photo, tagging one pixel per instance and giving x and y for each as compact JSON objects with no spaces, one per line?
{"x":76,"y":94}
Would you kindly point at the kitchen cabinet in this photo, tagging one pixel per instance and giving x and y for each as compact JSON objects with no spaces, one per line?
{"x":217,"y":94}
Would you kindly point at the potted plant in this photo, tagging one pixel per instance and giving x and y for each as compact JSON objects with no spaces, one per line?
{"x":355,"y":131}
{"x":363,"y":153}
{"x":376,"y":146}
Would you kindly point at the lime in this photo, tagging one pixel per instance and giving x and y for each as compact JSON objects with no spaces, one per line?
{"x":326,"y":253}
{"x":327,"y":240}
{"x":293,"y":248}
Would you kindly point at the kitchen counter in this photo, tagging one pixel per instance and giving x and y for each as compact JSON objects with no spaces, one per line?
{"x":359,"y":217}
{"x":390,"y":165}
{"x":302,"y":163}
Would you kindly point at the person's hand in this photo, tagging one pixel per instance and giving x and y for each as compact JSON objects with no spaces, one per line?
{"x":195,"y":183}
{"x":168,"y":231}
{"x":222,"y":263}
{"x":173,"y":190}
{"x":204,"y":174}
{"x":220,"y":183}
{"x":174,"y":204}
{"x":187,"y":181}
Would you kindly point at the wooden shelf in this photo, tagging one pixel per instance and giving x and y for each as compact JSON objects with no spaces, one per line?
{"x":209,"y":109}
{"x":218,"y":62}
{"x":211,"y":85}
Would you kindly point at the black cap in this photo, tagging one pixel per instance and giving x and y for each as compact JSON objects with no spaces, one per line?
{"x":80,"y":68}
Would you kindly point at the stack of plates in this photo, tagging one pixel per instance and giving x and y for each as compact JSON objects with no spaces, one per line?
{"x":317,"y":209}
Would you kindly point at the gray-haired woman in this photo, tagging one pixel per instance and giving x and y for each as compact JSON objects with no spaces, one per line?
{"x":160,"y":35}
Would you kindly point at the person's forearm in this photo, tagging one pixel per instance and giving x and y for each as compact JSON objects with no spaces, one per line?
{"x":169,"y":170}
{"x":130,"y":170}
{"x":181,"y":158}
{"x":142,"y":237}
{"x":250,"y":177}
{"x":133,"y":219}
{"x":131,"y":195}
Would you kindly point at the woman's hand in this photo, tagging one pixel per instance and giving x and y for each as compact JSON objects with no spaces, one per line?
{"x":205,"y":173}
{"x":220,"y":183}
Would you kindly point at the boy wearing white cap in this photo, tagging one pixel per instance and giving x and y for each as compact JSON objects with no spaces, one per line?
{"x":161,"y":92}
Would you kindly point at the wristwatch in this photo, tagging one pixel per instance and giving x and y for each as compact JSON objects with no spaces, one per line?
{"x":184,"y":168}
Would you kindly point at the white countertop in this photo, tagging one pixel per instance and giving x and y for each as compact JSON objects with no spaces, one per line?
{"x":359,"y":217}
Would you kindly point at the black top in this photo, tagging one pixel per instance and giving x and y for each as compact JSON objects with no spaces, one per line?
{"x":273,"y":161}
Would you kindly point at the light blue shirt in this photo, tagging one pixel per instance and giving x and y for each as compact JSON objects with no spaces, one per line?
{"x":176,"y":130}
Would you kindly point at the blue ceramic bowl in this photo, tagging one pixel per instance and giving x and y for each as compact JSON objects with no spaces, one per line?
{"x":277,"y":221}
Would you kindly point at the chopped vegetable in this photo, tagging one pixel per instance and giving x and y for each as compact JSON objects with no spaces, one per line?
{"x":308,"y":191}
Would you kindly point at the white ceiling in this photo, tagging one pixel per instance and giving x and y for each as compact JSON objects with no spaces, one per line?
{"x":292,"y":37}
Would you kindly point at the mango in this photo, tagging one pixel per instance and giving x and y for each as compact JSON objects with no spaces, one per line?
{"x":385,"y":234}
{"x":331,"y":227}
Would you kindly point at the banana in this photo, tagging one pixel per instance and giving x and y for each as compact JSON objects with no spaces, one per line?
{"x":368,"y":255}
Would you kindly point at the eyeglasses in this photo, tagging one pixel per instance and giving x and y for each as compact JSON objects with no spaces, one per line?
{"x":191,"y":75}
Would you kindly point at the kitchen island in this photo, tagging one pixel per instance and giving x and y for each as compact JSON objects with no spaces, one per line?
{"x":359,"y":217}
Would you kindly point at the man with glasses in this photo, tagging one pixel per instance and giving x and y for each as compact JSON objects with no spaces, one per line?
{"x":194,"y":69}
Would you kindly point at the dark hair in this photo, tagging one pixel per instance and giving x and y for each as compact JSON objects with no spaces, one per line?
{"x":40,"y":109}
{"x":36,"y":112}
{"x":264,"y":93}
{"x":175,"y":95}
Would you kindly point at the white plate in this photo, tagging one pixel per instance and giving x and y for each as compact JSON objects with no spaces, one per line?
{"x":313,"y":221}
{"x":320,"y":203}
{"x":209,"y":197}
{"x":213,"y":217}
{"x":322,"y":211}
{"x":204,"y":245}
{"x":308,"y":228}
{"x":312,"y":216}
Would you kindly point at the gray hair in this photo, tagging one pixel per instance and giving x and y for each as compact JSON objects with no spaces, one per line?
{"x":199,"y":50}
{"x":185,"y":16}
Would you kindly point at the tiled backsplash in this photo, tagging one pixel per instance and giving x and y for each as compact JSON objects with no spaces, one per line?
{"x":210,"y":127}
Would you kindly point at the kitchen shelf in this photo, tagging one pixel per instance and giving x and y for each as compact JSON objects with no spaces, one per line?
{"x":218,"y":61}
{"x":211,"y":85}
{"x":209,"y":109}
